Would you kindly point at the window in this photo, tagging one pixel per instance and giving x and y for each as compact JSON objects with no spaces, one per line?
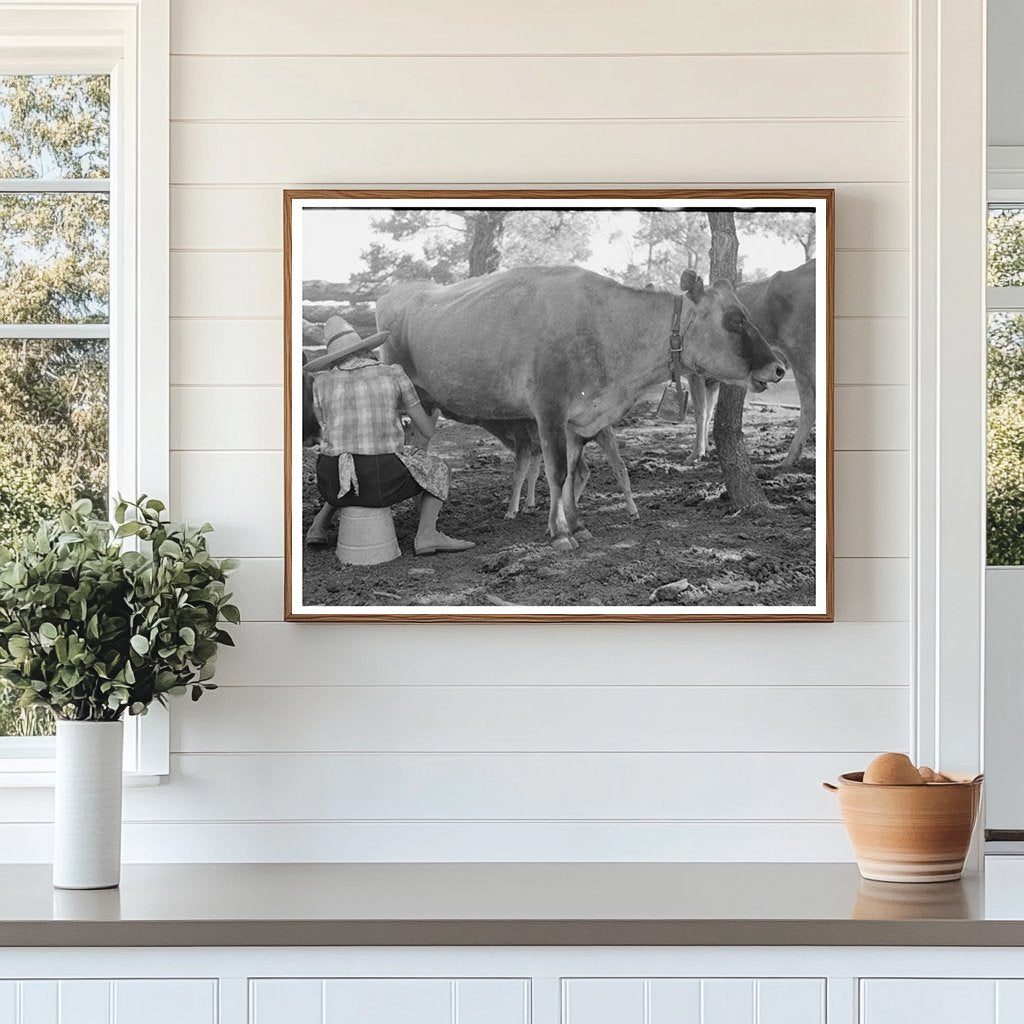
{"x":1005,"y":477}
{"x":54,"y":308}
{"x":84,"y":125}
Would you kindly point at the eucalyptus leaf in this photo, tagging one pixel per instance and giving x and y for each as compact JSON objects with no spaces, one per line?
{"x":93,"y":631}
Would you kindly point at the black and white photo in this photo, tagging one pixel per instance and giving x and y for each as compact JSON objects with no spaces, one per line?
{"x":572,"y":405}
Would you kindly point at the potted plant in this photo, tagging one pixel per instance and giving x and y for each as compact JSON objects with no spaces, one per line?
{"x":99,"y":620}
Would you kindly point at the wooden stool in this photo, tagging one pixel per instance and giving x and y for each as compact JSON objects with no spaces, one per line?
{"x":366,"y":536}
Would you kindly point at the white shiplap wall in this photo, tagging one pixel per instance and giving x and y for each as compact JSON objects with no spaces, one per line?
{"x":597,"y":742}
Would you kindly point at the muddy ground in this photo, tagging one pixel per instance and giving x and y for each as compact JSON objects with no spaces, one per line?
{"x":687,"y":529}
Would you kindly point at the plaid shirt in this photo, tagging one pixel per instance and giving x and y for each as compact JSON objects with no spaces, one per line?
{"x":359,"y":409}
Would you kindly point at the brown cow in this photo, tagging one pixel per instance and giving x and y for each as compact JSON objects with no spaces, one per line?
{"x":782,"y":306}
{"x":568,"y":348}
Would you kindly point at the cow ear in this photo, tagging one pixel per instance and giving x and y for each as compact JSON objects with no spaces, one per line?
{"x":691,"y":284}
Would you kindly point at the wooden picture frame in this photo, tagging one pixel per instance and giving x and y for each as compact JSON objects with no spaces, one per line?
{"x":299,"y":204}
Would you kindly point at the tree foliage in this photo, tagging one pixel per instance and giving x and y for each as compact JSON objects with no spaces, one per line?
{"x":1005,"y":477}
{"x":1006,"y":247}
{"x":452,"y":245}
{"x":1005,"y":480}
{"x":787,"y":226}
{"x":53,"y":270}
{"x":664,"y":245}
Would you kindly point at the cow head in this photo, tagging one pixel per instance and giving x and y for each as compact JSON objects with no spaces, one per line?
{"x":310,"y":425}
{"x":722,"y":341}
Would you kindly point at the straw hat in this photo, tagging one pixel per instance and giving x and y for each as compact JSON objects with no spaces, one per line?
{"x":343,"y":341}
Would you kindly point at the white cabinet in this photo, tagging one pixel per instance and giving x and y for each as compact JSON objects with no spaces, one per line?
{"x":942,"y":1001}
{"x":389,"y":1001}
{"x":693,"y":1001}
{"x":94,"y":1001}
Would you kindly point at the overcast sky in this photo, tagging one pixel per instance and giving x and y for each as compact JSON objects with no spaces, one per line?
{"x":333,"y":240}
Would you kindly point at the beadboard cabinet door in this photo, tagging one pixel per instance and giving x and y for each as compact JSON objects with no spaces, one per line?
{"x":941,"y":1001}
{"x":101,"y":1001}
{"x":693,"y":1001}
{"x":388,"y":1001}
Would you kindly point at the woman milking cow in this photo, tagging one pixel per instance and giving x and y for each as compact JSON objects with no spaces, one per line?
{"x":364,"y":460}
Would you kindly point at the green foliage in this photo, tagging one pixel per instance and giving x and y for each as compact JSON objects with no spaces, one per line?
{"x":53,"y":269}
{"x":54,"y":126}
{"x":53,"y":252}
{"x":1005,"y":356}
{"x":53,"y":446}
{"x":23,"y":498}
{"x":91,"y":630}
{"x":1005,"y":483}
{"x":16,"y":720}
{"x":1005,"y":247}
{"x":1005,"y":479}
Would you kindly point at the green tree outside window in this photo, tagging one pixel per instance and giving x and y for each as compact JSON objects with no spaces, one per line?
{"x":54,"y":271}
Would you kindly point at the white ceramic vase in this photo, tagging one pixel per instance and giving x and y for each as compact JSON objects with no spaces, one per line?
{"x":87,"y":806}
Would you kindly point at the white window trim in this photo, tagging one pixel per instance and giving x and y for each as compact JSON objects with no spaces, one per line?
{"x":949,"y":444}
{"x":131,"y":41}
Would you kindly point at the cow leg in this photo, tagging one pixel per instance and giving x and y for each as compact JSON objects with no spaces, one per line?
{"x":804,"y":376}
{"x":551,"y":426}
{"x":581,"y":477}
{"x":610,"y":446}
{"x":531,"y":481}
{"x":576,"y":471}
{"x":518,"y":479}
{"x":699,"y":394}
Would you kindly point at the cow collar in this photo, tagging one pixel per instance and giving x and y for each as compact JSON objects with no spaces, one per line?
{"x":675,"y":350}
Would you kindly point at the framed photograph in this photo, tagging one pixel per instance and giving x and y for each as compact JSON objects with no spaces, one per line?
{"x":558,"y":405}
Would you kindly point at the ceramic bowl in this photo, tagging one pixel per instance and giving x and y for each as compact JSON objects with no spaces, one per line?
{"x":909,"y":833}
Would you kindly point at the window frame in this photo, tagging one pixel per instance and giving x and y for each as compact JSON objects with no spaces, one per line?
{"x":130,"y":41}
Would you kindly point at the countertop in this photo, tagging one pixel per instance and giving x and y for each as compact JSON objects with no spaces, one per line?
{"x":518,"y":904}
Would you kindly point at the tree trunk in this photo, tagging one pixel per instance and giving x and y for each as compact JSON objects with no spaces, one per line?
{"x":485,"y":244}
{"x":741,"y":482}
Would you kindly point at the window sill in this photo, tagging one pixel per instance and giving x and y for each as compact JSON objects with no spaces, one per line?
{"x":39,"y":774}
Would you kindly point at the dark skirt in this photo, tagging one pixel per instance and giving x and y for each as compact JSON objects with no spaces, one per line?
{"x":384,"y":480}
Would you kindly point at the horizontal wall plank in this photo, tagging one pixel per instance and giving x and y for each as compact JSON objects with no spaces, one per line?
{"x":872,"y":504}
{"x":867,"y":589}
{"x":213,"y":418}
{"x":258,"y":586}
{"x":869,"y":350}
{"x":461,"y":842}
{"x":533,"y":26}
{"x":492,"y":719}
{"x":871,"y":418}
{"x":868,"y":216}
{"x":872,"y":350}
{"x":376,"y":787}
{"x":239,"y":284}
{"x":232,"y":418}
{"x":241,"y":493}
{"x":568,"y":151}
{"x":873,"y":283}
{"x":649,"y":654}
{"x":234,"y":284}
{"x":536,"y":87}
{"x":872,"y":590}
{"x":227,"y":352}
